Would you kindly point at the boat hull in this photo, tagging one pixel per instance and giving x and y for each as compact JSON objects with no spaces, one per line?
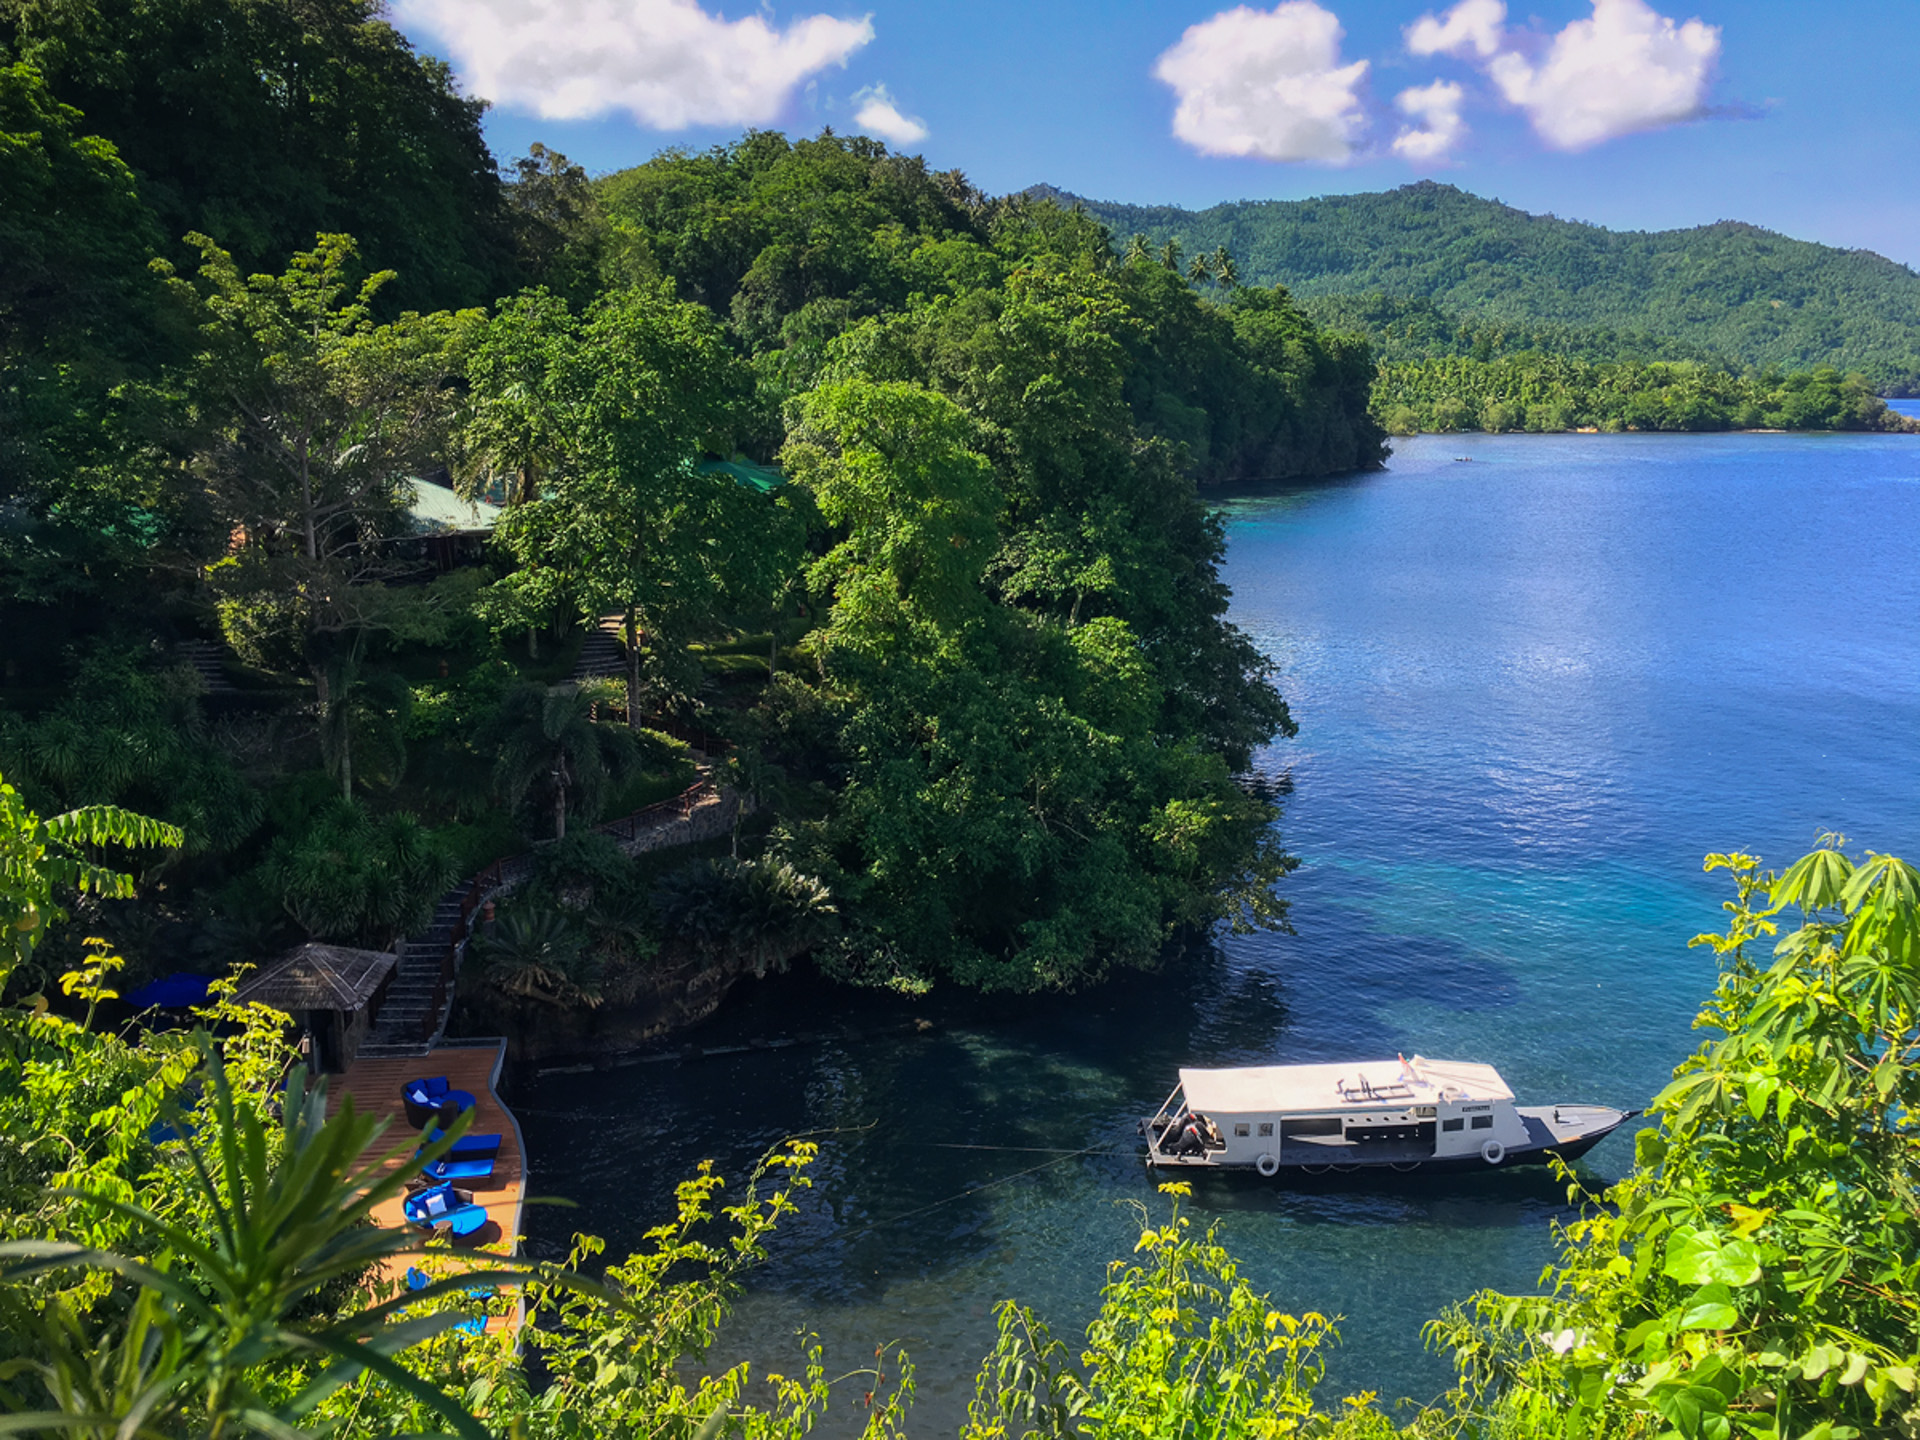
{"x":1562,"y":1132}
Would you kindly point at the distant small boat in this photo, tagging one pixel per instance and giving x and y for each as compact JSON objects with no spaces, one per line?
{"x":1397,"y":1114}
{"x":1463,"y":459}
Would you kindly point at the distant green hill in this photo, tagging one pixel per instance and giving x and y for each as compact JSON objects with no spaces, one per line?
{"x":1725,"y":289}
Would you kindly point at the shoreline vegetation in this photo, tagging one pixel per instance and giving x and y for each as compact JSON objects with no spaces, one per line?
{"x":1749,"y":1278}
{"x":891,"y":493}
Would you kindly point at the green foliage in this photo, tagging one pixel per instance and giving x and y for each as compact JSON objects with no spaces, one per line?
{"x":1020,"y":806}
{"x":762,"y":910}
{"x":597,"y":423}
{"x":1725,"y":289}
{"x":40,"y":859}
{"x":349,"y":875}
{"x":311,"y":422}
{"x":1550,"y":392}
{"x":536,"y":955}
{"x":71,"y":225}
{"x":262,"y":122}
{"x":131,"y":736}
{"x":799,"y":242}
{"x":551,"y":753}
{"x":1182,"y":1346}
{"x":219,"y":1314}
{"x":1755,"y":1275}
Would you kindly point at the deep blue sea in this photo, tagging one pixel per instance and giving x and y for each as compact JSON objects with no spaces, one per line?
{"x":1536,"y":679}
{"x":1905,"y":407}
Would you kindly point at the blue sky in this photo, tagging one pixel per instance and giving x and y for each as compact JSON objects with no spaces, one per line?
{"x":1802,"y":117}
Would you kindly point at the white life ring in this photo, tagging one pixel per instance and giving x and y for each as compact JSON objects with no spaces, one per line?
{"x":1493,"y":1152}
{"x":1267,"y":1165}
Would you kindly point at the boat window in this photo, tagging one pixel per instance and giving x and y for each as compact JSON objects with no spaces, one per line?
{"x":1313,"y":1125}
{"x":1483,"y":1122}
{"x":1266,"y":1127}
{"x":1454,"y":1124}
{"x":1242,"y":1129}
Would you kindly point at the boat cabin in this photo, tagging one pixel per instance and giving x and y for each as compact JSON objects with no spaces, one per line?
{"x":1385,"y":1112}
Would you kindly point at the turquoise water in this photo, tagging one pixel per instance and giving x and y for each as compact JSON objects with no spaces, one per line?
{"x":1534,"y":687}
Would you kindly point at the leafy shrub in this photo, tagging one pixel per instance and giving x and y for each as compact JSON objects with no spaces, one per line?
{"x":1755,"y":1276}
{"x":351,"y":876}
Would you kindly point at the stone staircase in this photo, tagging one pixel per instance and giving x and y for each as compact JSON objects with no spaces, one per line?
{"x":203,"y":657}
{"x":408,"y":1023}
{"x":604,"y":655}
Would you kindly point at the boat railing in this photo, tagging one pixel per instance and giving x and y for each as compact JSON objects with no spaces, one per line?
{"x":1365,"y":1089}
{"x":1155,"y":1129}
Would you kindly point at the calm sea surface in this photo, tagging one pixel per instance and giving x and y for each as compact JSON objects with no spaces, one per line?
{"x":1537,"y":678}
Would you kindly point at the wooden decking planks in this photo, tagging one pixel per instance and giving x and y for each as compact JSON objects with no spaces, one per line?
{"x":375,"y":1087}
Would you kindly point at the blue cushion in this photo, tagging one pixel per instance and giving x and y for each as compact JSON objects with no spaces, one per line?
{"x":468,"y":1219}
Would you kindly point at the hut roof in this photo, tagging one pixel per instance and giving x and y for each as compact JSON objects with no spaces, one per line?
{"x":319,"y":977}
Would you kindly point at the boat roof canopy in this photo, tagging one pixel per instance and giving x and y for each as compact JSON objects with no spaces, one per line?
{"x":1266,"y":1089}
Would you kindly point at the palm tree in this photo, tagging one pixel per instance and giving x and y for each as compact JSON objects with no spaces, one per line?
{"x":538,"y":956}
{"x":1170,"y":255}
{"x":1200,"y":270}
{"x":548,"y":746}
{"x":368,"y":713}
{"x":1137,"y":248}
{"x":1225,"y":273}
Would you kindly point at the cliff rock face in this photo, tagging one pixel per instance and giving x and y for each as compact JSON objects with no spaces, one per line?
{"x":681,"y":990}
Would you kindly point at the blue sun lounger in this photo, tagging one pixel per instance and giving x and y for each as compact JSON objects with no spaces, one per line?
{"x":458,"y":1170}
{"x":467,"y":1147}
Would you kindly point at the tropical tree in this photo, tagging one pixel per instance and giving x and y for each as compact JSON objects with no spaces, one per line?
{"x":551,"y":750}
{"x":604,"y":419}
{"x":1755,"y":1276}
{"x":311,"y":423}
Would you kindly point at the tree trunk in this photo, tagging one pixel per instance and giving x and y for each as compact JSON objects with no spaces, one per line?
{"x":324,"y":703}
{"x":533,"y":642}
{"x":559,"y":801}
{"x":633,"y":669}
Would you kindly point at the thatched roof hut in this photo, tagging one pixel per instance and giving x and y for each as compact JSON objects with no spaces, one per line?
{"x":332,"y":991}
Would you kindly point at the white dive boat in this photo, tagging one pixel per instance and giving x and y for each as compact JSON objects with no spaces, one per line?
{"x":1401,"y":1114}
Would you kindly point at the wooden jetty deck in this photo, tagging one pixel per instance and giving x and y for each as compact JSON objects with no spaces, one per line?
{"x":375,"y":1086}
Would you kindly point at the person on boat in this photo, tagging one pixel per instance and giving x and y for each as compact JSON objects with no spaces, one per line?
{"x":1193,"y":1136}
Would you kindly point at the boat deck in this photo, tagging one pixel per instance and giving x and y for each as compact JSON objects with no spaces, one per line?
{"x":375,"y":1087}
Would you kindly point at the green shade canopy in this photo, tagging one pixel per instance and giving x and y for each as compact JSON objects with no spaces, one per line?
{"x":763,"y":478}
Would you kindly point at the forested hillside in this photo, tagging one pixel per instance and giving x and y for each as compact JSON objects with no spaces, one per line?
{"x":263,"y":280}
{"x":1753,"y":296}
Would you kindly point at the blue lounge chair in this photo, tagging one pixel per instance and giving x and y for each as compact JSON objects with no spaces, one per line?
{"x":443,"y":1170}
{"x":467,"y":1147}
{"x":444,"y":1205}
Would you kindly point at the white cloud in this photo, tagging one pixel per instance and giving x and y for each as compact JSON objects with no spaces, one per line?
{"x":1627,"y":68}
{"x":1471,"y":26}
{"x":1266,"y":83}
{"x":667,"y":62}
{"x":1437,"y":109}
{"x":878,"y":115}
